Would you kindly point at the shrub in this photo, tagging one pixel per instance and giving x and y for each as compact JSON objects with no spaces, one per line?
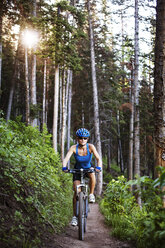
{"x":145,"y":225}
{"x":32,"y":185}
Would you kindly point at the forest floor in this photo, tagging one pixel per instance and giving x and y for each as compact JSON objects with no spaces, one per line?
{"x":97,"y":235}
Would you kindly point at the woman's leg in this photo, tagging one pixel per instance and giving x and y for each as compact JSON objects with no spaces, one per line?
{"x":92,"y":182}
{"x":75,"y":183}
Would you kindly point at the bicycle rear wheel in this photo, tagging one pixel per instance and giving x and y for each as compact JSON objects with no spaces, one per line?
{"x":81,"y":216}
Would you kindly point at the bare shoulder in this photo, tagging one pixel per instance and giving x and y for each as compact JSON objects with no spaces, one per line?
{"x":91,"y":147}
{"x":73,"y":148}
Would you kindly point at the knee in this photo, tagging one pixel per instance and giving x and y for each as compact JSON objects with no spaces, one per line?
{"x":75,"y":184}
{"x":92,"y":177}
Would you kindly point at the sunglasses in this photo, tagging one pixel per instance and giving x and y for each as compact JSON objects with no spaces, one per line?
{"x":82,"y":138}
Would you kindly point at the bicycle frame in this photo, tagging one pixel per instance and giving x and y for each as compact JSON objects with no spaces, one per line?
{"x":82,"y":200}
{"x":82,"y":185}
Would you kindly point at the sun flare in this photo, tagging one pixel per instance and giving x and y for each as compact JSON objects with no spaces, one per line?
{"x":30,"y":38}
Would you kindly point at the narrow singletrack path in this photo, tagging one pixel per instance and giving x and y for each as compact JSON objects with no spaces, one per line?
{"x":97,"y":235}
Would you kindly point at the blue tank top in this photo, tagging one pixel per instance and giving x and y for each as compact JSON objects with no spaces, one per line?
{"x":83,"y":161}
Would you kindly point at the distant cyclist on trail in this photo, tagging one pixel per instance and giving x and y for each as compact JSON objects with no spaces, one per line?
{"x":83,"y":156}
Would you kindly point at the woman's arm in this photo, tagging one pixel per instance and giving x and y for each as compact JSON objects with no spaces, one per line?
{"x":94,"y":151}
{"x":68,"y":155}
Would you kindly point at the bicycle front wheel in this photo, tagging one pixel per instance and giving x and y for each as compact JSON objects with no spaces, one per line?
{"x":81,"y":216}
{"x":85,"y":214}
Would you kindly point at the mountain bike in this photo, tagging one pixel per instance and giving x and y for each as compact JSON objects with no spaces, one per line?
{"x":82,"y":207}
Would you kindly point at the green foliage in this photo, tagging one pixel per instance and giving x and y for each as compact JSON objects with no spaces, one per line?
{"x":107,"y":176}
{"x":32,"y":179}
{"x":144,"y":226}
{"x":161,"y":180}
{"x":63,"y":39}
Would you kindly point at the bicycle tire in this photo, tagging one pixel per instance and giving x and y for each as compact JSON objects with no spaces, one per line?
{"x":81,"y":216}
{"x":86,"y":214}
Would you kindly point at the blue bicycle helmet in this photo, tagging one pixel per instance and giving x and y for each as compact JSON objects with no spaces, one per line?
{"x":82,"y":132}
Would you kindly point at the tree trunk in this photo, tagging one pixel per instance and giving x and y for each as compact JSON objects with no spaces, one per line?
{"x":63,"y":130}
{"x":137,"y":141}
{"x":55,"y":115}
{"x":137,"y":121}
{"x":131,"y":130}
{"x":69,"y":113}
{"x":47,"y":94}
{"x":44,"y":94}
{"x":27,"y":88}
{"x":33,"y":83}
{"x":60,"y":119}
{"x":0,"y":53}
{"x":120,"y":153}
{"x":17,"y":95}
{"x":95,"y":99}
{"x":13,"y":81}
{"x":109,"y":156}
{"x":159,"y":86}
{"x":11,"y":92}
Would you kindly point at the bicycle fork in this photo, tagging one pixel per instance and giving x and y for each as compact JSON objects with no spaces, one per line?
{"x":84,"y":189}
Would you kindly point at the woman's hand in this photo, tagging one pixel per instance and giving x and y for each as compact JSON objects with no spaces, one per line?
{"x":65,"y":169}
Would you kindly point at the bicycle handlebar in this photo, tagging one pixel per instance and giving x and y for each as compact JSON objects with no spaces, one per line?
{"x":78,"y":171}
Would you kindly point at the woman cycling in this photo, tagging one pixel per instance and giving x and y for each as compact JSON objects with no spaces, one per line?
{"x":83,"y":155}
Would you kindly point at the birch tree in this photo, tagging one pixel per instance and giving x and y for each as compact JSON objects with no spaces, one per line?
{"x":56,"y":101}
{"x":159,"y":86}
{"x":63,"y":130}
{"x":95,"y":98}
{"x":136,"y":82}
{"x":65,"y":93}
{"x":69,"y":112}
{"x":60,"y":114}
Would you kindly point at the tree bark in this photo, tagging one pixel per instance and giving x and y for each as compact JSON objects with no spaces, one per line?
{"x":0,"y":52}
{"x":137,"y":117}
{"x":55,"y":115}
{"x":109,"y":156}
{"x":27,"y":88}
{"x":63,"y":130}
{"x":44,"y":94}
{"x":136,"y":80}
{"x":120,"y":153}
{"x":33,"y":83}
{"x":69,"y":113}
{"x":131,"y":129}
{"x":47,"y":93}
{"x":60,"y":117}
{"x":159,"y":87}
{"x":95,"y":99}
{"x":13,"y":81}
{"x":11,"y":92}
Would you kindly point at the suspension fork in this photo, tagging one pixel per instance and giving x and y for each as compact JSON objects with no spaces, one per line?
{"x":81,"y":188}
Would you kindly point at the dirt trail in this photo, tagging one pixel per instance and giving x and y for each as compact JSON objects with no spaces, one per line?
{"x":97,"y":235}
